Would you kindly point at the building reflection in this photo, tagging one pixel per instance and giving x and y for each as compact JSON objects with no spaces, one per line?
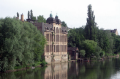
{"x":73,"y":69}
{"x":56,"y":71}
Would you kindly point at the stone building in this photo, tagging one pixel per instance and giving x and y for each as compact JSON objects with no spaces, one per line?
{"x":56,"y":35}
{"x":113,"y":31}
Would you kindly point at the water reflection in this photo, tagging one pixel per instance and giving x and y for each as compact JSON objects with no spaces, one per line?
{"x":116,"y":76}
{"x":94,"y":70}
{"x":109,"y":69}
{"x":56,"y":71}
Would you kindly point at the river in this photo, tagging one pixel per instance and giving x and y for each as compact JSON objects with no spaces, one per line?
{"x":109,"y":69}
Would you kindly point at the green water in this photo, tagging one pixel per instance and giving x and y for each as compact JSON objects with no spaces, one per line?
{"x":109,"y":69}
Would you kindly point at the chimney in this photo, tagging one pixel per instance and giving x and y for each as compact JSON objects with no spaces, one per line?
{"x":22,"y":17}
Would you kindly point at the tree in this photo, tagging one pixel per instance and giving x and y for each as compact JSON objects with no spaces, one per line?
{"x":91,"y":29}
{"x":64,"y":24}
{"x":31,"y":14}
{"x":28,"y":15}
{"x":41,"y":19}
{"x":105,"y":41}
{"x":116,"y":39}
{"x":17,"y":14}
{"x":82,"y":53}
{"x":71,"y":38}
{"x":21,"y":44}
{"x":76,"y":37}
{"x":33,"y":18}
{"x":90,"y":47}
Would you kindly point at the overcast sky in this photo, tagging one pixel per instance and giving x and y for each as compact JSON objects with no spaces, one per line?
{"x":73,"y":12}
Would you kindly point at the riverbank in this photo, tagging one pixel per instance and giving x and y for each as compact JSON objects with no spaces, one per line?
{"x":25,"y":68}
{"x":79,"y":59}
{"x":94,"y":58}
{"x":70,"y":70}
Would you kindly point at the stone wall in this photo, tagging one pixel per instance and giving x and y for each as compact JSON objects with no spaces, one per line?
{"x":56,"y":48}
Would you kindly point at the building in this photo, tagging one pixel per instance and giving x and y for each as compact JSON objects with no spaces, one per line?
{"x":113,"y":31}
{"x":56,"y":35}
{"x":73,"y":53}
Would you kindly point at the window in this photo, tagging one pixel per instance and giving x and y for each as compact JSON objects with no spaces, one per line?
{"x":47,"y":48}
{"x":47,"y":37}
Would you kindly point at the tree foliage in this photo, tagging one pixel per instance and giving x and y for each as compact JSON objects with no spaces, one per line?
{"x":64,"y":24}
{"x":31,"y":14}
{"x":93,"y":40}
{"x":28,"y":15}
{"x":33,"y":18}
{"x":90,"y":47}
{"x":82,"y":53}
{"x":75,"y":37}
{"x":41,"y":19}
{"x":20,"y":43}
{"x":116,"y":43}
{"x":105,"y":41}
{"x":90,"y":29}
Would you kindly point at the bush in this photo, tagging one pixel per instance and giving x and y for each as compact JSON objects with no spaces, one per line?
{"x":36,"y":64}
{"x":82,"y":53}
{"x":90,"y":47}
{"x":43,"y":63}
{"x":102,"y":53}
{"x":98,"y":51}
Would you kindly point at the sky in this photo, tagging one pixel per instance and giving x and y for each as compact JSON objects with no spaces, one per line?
{"x":73,"y":12}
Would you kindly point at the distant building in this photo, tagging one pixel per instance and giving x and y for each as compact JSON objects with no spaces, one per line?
{"x":56,"y":35}
{"x":113,"y":31}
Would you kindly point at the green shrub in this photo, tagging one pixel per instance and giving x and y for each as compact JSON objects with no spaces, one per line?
{"x":102,"y":53}
{"x":82,"y":53}
{"x":43,"y":63}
